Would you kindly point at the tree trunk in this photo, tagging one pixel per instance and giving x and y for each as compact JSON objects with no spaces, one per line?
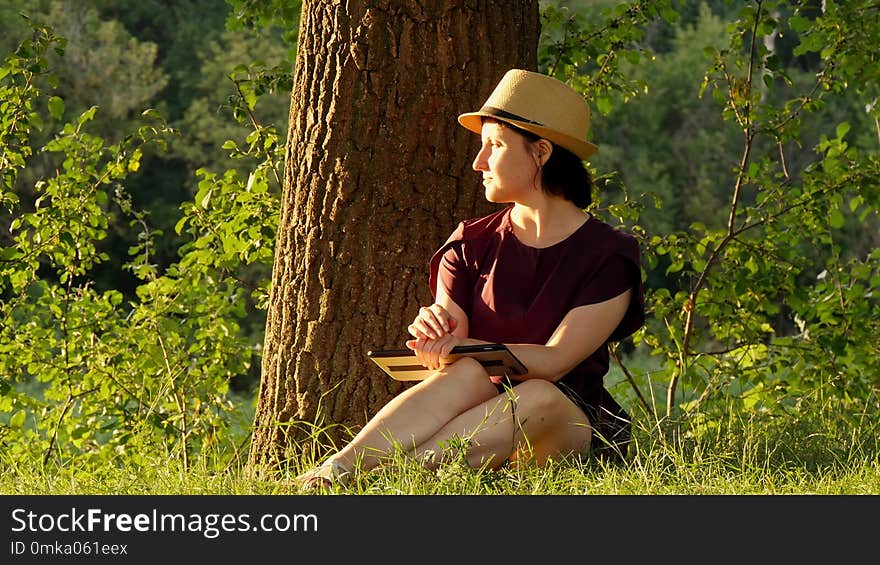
{"x":378,"y":173}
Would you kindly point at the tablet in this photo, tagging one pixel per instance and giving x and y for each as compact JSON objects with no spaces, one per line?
{"x":401,"y":364}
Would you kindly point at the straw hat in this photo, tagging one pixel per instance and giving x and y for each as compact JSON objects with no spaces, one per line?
{"x":540,"y":104}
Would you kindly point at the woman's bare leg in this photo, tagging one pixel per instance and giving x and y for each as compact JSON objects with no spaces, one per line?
{"x":416,"y":414}
{"x":534,"y":418}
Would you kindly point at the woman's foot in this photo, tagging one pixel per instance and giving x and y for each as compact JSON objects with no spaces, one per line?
{"x":329,"y":473}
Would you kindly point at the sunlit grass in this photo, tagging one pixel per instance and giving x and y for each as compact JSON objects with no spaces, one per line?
{"x":821,"y":454}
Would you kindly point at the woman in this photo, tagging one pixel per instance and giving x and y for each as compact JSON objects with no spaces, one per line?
{"x":542,"y":276}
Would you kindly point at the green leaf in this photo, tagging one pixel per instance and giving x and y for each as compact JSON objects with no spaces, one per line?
{"x":675,"y":267}
{"x":114,"y":297}
{"x":603,"y":103}
{"x":9,"y":253}
{"x":17,"y":419}
{"x":631,"y":57}
{"x":670,"y":14}
{"x":88,"y":115}
{"x":206,"y":199}
{"x":799,"y":23}
{"x":178,"y":227}
{"x":56,"y":107}
{"x":855,"y":202}
{"x":836,"y":219}
{"x":35,"y":121}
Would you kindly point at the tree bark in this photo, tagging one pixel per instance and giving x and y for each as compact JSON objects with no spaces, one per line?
{"x":378,"y":173}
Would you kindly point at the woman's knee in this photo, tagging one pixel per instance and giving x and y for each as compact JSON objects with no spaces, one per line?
{"x":466,"y":377}
{"x":551,"y":421}
{"x":466,"y":370}
{"x":538,"y":396}
{"x":543,"y":403}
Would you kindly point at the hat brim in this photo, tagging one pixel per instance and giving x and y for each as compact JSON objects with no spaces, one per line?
{"x":473,"y":121}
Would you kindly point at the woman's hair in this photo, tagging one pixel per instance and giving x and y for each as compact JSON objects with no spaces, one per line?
{"x":563,"y":174}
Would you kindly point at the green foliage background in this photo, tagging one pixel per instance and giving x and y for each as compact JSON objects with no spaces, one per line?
{"x":141,"y":163}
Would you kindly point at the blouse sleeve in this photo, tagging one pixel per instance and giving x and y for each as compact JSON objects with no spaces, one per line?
{"x":452,"y":275}
{"x":617,"y":274}
{"x":448,"y":268}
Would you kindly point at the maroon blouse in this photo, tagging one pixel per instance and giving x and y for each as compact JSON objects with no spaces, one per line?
{"x":513,"y":293}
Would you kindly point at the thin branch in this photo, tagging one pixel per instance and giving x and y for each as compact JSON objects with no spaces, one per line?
{"x":256,"y":126}
{"x":731,"y":81}
{"x":789,"y":208}
{"x":877,"y":125}
{"x":141,"y":403}
{"x":236,"y":454}
{"x":629,"y":377}
{"x":803,"y":101}
{"x":632,"y":14}
{"x":782,"y":159}
{"x":764,"y":252}
{"x":559,"y":53}
{"x":67,"y":404}
{"x":835,"y":256}
{"x":181,"y":402}
{"x":691,"y":303}
{"x":751,"y":70}
{"x":725,"y":351}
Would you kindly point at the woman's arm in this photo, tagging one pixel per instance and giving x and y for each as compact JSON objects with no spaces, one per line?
{"x":583,"y":330}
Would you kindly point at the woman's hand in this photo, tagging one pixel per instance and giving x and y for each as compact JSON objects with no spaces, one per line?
{"x":430,"y":353}
{"x":432,"y":322}
{"x":432,"y":330}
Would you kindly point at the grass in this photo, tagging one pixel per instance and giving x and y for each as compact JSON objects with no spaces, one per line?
{"x":822,"y":453}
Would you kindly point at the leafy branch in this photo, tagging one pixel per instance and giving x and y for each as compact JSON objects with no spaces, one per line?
{"x":690,"y":305}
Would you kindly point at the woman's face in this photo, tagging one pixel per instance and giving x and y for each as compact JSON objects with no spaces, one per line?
{"x":509,"y":163}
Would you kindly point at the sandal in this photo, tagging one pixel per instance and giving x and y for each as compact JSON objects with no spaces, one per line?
{"x":329,"y":473}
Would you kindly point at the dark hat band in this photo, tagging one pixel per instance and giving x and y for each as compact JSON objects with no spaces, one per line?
{"x":499,"y":113}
